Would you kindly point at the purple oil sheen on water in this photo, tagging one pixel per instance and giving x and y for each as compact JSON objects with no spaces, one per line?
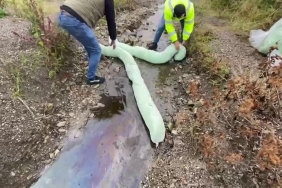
{"x":112,"y":153}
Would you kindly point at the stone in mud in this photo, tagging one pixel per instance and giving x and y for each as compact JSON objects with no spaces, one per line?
{"x":56,"y":152}
{"x":117,"y":69}
{"x":101,"y":105}
{"x":98,"y":106}
{"x":61,"y":124}
{"x":190,"y":103}
{"x":62,"y":130}
{"x":71,"y":114}
{"x":12,"y":174}
{"x":52,"y":155}
{"x":185,"y":75}
{"x":170,"y":126}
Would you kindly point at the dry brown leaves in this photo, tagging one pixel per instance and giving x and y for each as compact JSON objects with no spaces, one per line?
{"x":193,"y":88}
{"x":247,"y":106}
{"x":270,"y":153}
{"x":207,"y":144}
{"x":245,"y":113}
{"x":234,"y":158}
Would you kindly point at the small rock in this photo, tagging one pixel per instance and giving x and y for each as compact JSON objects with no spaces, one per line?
{"x":84,"y":101}
{"x":12,"y":174}
{"x":95,"y":87}
{"x":47,"y":161}
{"x":49,"y":106}
{"x":78,"y":134}
{"x":62,"y":130}
{"x":190,"y":103}
{"x":71,"y":114}
{"x":201,"y":102}
{"x":61,"y":124}
{"x":185,"y":75}
{"x":56,"y":152}
{"x":174,"y":132}
{"x":178,"y":142}
{"x":29,"y":177}
{"x":117,"y":69}
{"x":170,"y":126}
{"x":51,"y":155}
{"x":159,"y":92}
{"x":46,"y":139}
{"x":101,"y":105}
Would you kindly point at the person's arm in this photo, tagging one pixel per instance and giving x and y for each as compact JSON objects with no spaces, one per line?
{"x":169,"y":25}
{"x":110,"y":17}
{"x":188,"y":24}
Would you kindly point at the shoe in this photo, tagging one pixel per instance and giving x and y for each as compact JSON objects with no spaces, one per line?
{"x":96,"y":80}
{"x":153,"y":46}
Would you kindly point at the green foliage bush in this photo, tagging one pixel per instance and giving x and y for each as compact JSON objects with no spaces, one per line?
{"x":250,"y":13}
{"x":2,"y":13}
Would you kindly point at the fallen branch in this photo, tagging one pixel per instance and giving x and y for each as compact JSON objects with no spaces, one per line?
{"x":24,"y":103}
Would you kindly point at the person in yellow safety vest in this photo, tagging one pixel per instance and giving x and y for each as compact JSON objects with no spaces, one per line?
{"x":180,"y":10}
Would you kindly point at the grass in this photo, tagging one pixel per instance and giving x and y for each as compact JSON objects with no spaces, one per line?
{"x":2,"y":13}
{"x":199,"y":48}
{"x":2,"y":5}
{"x":48,"y":7}
{"x":245,"y":15}
{"x":54,"y":43}
{"x":124,"y":4}
{"x":55,"y":46}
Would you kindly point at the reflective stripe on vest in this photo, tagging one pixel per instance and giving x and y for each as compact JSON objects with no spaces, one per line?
{"x":171,"y":34}
{"x":186,"y":33}
{"x":189,"y":21}
{"x":168,"y":22}
{"x":172,"y":8}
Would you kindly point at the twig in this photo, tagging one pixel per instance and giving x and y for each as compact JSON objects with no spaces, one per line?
{"x":279,"y":101}
{"x":24,"y":103}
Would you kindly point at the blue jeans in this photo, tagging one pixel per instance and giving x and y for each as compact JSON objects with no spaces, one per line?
{"x":161,"y":28}
{"x":85,"y":35}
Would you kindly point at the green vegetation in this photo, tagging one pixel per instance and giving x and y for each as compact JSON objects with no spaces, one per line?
{"x":2,"y":13}
{"x":199,"y":48}
{"x":248,"y":14}
{"x":2,"y":5}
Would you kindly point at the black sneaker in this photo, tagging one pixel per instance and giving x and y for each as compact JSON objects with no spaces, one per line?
{"x":96,"y":80}
{"x":153,"y":46}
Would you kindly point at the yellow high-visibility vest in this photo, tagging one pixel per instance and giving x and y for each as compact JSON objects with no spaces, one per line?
{"x":188,"y":20}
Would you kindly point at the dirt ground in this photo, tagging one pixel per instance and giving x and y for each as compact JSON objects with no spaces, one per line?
{"x":37,"y":112}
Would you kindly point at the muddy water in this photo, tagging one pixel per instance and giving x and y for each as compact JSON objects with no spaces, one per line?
{"x":115,"y":149}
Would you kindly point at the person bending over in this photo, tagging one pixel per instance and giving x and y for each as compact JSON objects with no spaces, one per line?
{"x":78,"y":18}
{"x":180,"y":10}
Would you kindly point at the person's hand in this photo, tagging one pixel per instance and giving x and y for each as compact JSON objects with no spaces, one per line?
{"x":113,"y":43}
{"x":177,"y":45}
